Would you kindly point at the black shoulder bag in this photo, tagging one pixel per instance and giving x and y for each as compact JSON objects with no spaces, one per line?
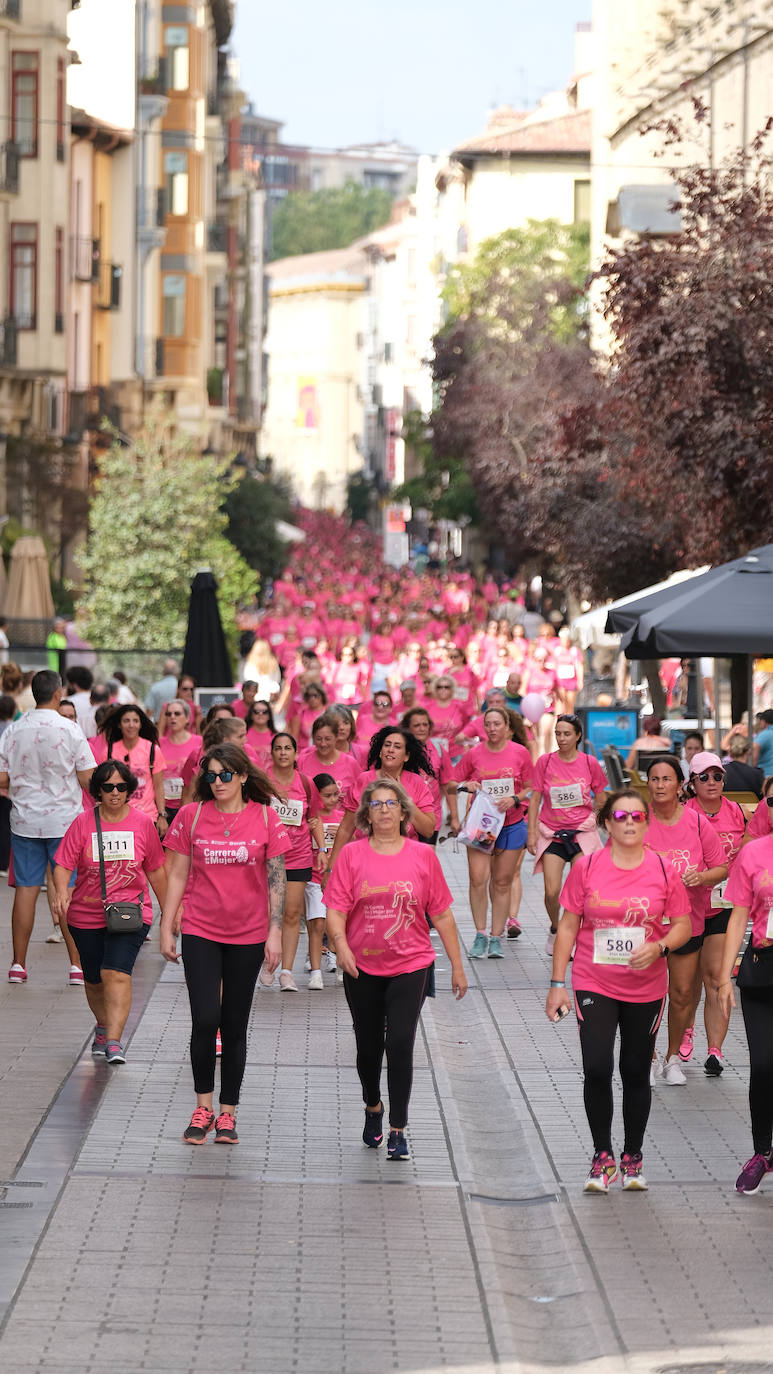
{"x":121,"y":918}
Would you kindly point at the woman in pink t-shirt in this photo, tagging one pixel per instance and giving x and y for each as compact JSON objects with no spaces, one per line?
{"x":131,"y":736}
{"x":690,"y":843}
{"x":562,"y":815}
{"x":179,"y":745}
{"x":324,"y":756}
{"x":441,"y":784}
{"x":259,"y":722}
{"x":378,"y":897}
{"x":133,"y":857}
{"x":750,"y":889}
{"x":226,"y":865}
{"x":761,"y":823}
{"x":449,"y":716}
{"x":625,"y":909}
{"x":728,"y":819}
{"x":396,"y":754}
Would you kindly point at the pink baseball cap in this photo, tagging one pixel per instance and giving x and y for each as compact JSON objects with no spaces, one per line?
{"x":700,"y":762}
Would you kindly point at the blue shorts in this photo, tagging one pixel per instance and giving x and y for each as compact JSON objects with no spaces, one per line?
{"x":99,"y":949}
{"x":31,"y":858}
{"x":512,"y":836}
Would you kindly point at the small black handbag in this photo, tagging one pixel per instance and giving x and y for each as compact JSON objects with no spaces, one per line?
{"x":755,"y":973}
{"x":121,"y":918}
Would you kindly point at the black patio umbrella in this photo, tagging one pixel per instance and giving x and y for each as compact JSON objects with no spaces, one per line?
{"x":727,"y":610}
{"x":205,"y":656}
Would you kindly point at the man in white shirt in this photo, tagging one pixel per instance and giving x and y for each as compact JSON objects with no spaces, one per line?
{"x":44,"y":763}
{"x":80,"y":681}
{"x":159,"y":693}
{"x":4,"y":642}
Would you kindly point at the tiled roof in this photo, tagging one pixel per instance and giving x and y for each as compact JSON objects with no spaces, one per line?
{"x":570,"y":133}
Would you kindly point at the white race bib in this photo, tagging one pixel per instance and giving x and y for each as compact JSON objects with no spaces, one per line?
{"x":276,"y":639}
{"x":173,"y":788}
{"x":331,"y":830}
{"x":769,"y":927}
{"x":718,"y":898}
{"x":616,"y":944}
{"x":564,"y":798}
{"x":289,"y":812}
{"x":565,"y":671}
{"x":117,"y":844}
{"x":347,"y":691}
{"x":498,"y":787}
{"x":461,"y":693}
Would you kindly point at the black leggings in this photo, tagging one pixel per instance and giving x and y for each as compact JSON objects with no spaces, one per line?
{"x":209,"y":964}
{"x":757,"y":1008}
{"x":598,"y":1019}
{"x":385,"y":1012}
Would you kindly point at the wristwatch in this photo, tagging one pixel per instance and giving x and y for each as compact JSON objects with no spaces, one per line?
{"x":663,"y":950}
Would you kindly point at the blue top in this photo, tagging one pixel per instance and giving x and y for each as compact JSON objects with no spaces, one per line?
{"x":765,"y":740}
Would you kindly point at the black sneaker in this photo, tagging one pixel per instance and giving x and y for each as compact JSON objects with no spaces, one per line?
{"x":714,"y":1065}
{"x":373,"y":1134}
{"x":202,"y":1122}
{"x":225,"y":1130}
{"x":397,"y":1146}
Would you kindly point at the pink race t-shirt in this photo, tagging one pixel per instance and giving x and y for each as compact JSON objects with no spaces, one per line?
{"x":567,"y":789}
{"x":761,"y":823}
{"x":751,"y":885}
{"x":226,"y":895}
{"x":175,"y":756}
{"x":485,"y":765}
{"x":621,"y":901}
{"x":344,"y":770}
{"x":384,"y":898}
{"x":132,"y":849}
{"x":691,"y":843}
{"x":138,"y":760}
{"x":295,"y":808}
{"x":448,"y":721}
{"x":413,"y":783}
{"x":729,"y":824}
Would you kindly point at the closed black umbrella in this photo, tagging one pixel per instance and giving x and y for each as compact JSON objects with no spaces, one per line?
{"x":205,"y":656}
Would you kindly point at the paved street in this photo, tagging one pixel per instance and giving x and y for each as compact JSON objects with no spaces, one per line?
{"x":121,"y":1249}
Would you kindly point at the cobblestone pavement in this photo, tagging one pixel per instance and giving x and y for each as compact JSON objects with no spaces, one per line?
{"x":122,"y":1249}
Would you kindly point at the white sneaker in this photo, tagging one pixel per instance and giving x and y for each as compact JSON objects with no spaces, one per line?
{"x":673,"y":1074}
{"x":550,"y":942}
{"x":656,"y":1070}
{"x":286,"y":981}
{"x":315,"y":980}
{"x":265,"y":977}
{"x":55,"y":938}
{"x":307,"y":965}
{"x":332,"y":963}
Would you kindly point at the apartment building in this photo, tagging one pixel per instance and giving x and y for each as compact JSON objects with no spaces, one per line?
{"x":34,"y":252}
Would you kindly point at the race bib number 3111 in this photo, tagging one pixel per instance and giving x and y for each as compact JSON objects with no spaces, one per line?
{"x":117,"y":844}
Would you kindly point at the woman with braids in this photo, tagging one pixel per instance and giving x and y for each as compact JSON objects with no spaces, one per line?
{"x":397,"y":754}
{"x":226,"y":865}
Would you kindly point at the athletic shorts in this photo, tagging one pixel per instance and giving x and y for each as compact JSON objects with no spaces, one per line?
{"x":562,"y":850}
{"x":31,"y":858}
{"x":694,"y":943}
{"x":717,"y":922}
{"x":299,"y":875}
{"x":99,"y":949}
{"x":512,"y":836}
{"x":315,"y":911}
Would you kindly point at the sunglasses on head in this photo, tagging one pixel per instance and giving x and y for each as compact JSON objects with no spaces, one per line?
{"x":225,"y":776}
{"x":114,"y":787}
{"x":712,"y":774}
{"x":621,"y":815}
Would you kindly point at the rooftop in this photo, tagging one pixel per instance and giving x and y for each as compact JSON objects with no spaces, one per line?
{"x":515,"y":131}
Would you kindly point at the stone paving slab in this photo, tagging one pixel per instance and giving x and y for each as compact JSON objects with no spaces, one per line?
{"x":300,"y":1250}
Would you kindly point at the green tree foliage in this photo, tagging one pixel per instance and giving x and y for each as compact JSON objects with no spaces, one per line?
{"x":252,"y":508}
{"x":360,"y":493}
{"x":442,"y":484}
{"x":311,"y":221}
{"x":155,"y":518}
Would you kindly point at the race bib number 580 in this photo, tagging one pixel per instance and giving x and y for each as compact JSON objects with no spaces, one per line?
{"x":616,"y":944}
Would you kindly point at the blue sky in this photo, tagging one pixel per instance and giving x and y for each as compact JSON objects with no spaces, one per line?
{"x":423,"y":71}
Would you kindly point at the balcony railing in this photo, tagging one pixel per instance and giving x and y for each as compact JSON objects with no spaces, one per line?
{"x":8,"y":341}
{"x":9,"y":167}
{"x":155,"y":82}
{"x":151,"y":208}
{"x":108,"y":293}
{"x":217,"y":237}
{"x":85,"y":258}
{"x":10,"y":9}
{"x":160,"y":357}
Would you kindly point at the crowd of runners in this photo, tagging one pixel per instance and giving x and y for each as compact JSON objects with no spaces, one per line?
{"x":382,"y":711}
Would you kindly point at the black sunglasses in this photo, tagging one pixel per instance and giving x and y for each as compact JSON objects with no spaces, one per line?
{"x":224,"y":776}
{"x":712,"y":773}
{"x":769,"y":801}
{"x":114,"y":787}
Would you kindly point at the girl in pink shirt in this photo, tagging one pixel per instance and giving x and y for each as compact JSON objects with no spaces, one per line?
{"x":297,"y":804}
{"x":260,"y":731}
{"x":179,"y":744}
{"x":625,"y":909}
{"x":131,"y":736}
{"x":377,"y":898}
{"x":331,"y":814}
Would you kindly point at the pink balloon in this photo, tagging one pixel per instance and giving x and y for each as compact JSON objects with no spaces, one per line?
{"x":533,"y":706}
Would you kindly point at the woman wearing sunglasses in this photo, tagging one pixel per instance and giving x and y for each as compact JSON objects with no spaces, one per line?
{"x":687,"y":839}
{"x":562,"y":816}
{"x":761,"y":823}
{"x":133,"y":857}
{"x":625,"y":910}
{"x":377,"y":897}
{"x":225,"y":853}
{"x":179,"y":744}
{"x":728,"y":819}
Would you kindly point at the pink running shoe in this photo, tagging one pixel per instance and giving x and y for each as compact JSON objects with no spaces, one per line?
{"x":603,"y":1171}
{"x":218,"y":1045}
{"x":686,"y":1047}
{"x":17,"y":974}
{"x":752,"y":1174}
{"x":513,"y":928}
